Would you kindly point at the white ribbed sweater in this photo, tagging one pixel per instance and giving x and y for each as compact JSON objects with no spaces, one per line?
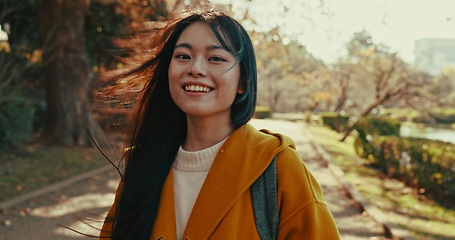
{"x":190,"y":171}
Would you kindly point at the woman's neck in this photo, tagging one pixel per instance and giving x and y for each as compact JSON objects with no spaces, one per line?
{"x":203,"y":134}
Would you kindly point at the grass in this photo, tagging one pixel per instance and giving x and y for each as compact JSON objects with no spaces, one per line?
{"x":36,"y":166}
{"x":404,"y":206}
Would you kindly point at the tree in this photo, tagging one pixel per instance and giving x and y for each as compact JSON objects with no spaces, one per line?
{"x":443,"y":90}
{"x":382,"y":74}
{"x":67,"y":71}
{"x":16,"y":53}
{"x":342,"y":74}
{"x":59,"y":34}
{"x":290,"y":79}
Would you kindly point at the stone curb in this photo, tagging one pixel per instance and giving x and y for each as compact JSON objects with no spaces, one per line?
{"x":391,"y":230}
{"x":53,"y":188}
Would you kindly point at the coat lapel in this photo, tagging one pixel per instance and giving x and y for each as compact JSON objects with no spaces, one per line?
{"x":237,"y":165}
{"x":165,"y":223}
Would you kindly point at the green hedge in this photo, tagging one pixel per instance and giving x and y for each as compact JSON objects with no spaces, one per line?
{"x":16,"y":120}
{"x":420,"y":163}
{"x":369,"y":128}
{"x":443,"y":118}
{"x":437,"y":116}
{"x":334,"y":120}
{"x":4,"y":132}
{"x":263,"y":112}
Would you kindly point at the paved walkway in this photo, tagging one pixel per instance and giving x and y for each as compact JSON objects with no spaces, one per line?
{"x":82,"y":203}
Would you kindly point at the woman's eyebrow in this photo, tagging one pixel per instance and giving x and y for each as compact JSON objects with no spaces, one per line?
{"x":211,"y":47}
{"x":183,"y":45}
{"x":215,"y":47}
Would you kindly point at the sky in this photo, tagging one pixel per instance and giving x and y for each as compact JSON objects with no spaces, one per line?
{"x":325,"y":26}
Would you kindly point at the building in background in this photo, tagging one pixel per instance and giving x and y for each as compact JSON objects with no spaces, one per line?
{"x":432,"y":55}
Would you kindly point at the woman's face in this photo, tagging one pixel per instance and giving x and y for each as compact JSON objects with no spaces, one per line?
{"x":203,"y":75}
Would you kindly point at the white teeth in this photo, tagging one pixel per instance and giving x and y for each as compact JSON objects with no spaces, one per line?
{"x":194,"y":88}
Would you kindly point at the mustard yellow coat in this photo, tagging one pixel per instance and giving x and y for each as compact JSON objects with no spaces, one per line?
{"x":223,"y":209}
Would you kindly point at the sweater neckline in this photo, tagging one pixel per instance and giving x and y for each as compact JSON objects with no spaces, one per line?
{"x":197,"y":161}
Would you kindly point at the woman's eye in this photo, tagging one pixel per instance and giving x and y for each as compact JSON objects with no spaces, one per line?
{"x":217,"y":59}
{"x":182,"y":56}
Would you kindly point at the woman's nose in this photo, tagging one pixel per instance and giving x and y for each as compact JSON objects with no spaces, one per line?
{"x":198,"y":67}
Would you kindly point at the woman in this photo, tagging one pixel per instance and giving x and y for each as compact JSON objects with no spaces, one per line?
{"x":194,"y":155}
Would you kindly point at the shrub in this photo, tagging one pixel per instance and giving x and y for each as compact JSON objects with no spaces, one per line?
{"x":370,"y":127}
{"x":263,"y":112}
{"x":334,"y":120}
{"x":4,"y":133}
{"x":17,"y":113}
{"x":443,"y":118}
{"x":420,"y":163}
{"x":39,"y":116}
{"x":423,"y":119}
{"x":437,"y":116}
{"x":377,"y":126}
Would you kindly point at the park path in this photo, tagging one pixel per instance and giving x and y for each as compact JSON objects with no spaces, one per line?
{"x":352,"y":223}
{"x":82,"y":204}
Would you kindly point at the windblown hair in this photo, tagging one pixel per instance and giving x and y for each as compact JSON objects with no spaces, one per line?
{"x":159,"y":126}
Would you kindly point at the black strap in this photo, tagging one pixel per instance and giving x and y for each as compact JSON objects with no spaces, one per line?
{"x":264,"y":194}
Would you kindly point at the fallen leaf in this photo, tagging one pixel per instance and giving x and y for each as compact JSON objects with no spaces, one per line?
{"x":7,"y":222}
{"x":87,"y":157}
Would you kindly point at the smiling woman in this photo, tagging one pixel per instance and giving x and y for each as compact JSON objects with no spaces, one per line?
{"x":193,"y":156}
{"x":204,"y":80}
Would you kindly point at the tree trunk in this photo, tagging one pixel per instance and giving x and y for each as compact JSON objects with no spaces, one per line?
{"x":344,"y":85}
{"x":67,"y":71}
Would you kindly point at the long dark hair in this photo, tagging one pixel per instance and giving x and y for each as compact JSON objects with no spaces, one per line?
{"x":159,"y":126}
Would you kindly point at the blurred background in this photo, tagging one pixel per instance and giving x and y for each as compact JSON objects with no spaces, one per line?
{"x":376,"y":76}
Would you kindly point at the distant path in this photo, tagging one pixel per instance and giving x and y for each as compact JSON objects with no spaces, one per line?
{"x":41,"y":217}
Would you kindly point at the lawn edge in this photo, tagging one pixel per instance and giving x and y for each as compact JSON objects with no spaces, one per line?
{"x":53,"y":187}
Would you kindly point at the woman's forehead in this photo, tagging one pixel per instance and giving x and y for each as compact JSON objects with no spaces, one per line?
{"x":196,"y":30}
{"x":200,"y":33}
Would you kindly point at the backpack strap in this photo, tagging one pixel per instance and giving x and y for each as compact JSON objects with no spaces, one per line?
{"x":264,"y":194}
